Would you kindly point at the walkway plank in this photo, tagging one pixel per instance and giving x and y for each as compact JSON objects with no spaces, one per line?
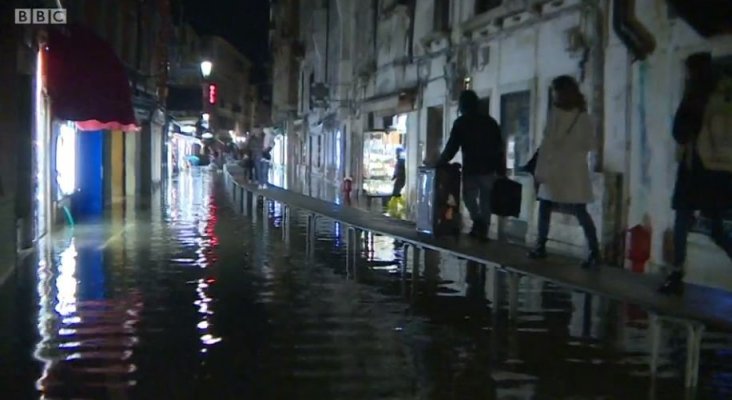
{"x":710,"y":306}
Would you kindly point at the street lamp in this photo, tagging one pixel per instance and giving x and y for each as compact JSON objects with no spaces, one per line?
{"x":206,"y":67}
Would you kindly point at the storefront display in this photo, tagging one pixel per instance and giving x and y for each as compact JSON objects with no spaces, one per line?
{"x":379,"y":157}
{"x":66,"y":159}
{"x":183,"y":149}
{"x":379,"y":162}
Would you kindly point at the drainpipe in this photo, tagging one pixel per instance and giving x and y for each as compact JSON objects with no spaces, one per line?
{"x":410,"y":31}
{"x":598,"y":81}
{"x":327,"y":37}
{"x":625,"y":207}
{"x":635,"y":36}
{"x":375,"y":7}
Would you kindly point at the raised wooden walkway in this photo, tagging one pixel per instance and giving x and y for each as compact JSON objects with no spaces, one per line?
{"x":700,"y":307}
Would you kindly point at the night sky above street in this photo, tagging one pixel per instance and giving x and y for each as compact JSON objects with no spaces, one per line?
{"x":243,"y":23}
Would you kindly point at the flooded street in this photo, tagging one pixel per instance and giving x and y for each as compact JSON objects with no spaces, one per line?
{"x":191,"y":300}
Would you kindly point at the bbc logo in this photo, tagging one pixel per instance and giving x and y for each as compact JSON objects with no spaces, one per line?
{"x":40,"y":15}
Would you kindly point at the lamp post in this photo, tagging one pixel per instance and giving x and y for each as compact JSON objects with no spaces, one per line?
{"x":206,"y":68}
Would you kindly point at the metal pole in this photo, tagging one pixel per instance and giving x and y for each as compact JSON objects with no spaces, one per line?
{"x":242,"y":193}
{"x":311,"y":235}
{"x":513,"y":284}
{"x":654,"y":325}
{"x":695,"y":332}
{"x":284,"y":225}
{"x":350,"y":249}
{"x":415,"y":281}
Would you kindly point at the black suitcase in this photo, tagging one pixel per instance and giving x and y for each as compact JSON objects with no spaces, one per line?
{"x":438,"y":202}
{"x":506,"y":198}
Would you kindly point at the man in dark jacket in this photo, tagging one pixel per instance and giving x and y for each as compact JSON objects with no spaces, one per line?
{"x":400,"y":174}
{"x":479,"y":138}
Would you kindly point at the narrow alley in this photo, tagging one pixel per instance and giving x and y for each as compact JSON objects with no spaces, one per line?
{"x":193,"y":301}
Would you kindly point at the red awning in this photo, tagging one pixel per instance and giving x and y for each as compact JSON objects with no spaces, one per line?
{"x":86,"y":81}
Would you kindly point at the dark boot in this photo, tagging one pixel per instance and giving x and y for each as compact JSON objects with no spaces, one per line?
{"x":539,"y":252}
{"x":592,"y":260}
{"x":674,"y":284}
{"x":478,"y":230}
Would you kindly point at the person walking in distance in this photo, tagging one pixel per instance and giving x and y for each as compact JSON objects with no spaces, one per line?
{"x":562,"y":169}
{"x":479,"y":138}
{"x":257,"y":150}
{"x":400,"y":174}
{"x":700,"y":186}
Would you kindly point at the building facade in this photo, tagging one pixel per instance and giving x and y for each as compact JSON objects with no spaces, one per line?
{"x":230,"y":74}
{"x":204,"y":109}
{"x":43,"y":182}
{"x":287,"y":50}
{"x":378,"y":75}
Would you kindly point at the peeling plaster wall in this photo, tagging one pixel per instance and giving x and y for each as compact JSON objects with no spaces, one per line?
{"x":391,"y":57}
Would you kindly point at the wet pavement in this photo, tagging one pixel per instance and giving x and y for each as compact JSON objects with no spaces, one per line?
{"x":192,"y":301}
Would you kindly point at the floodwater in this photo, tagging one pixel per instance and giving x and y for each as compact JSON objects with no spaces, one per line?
{"x":191,"y":300}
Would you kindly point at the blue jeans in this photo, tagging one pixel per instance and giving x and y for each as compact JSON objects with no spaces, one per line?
{"x":477,"y":197}
{"x":579,"y":211}
{"x":263,"y":172}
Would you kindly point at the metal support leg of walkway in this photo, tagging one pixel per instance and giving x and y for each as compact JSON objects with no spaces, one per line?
{"x":265,"y":216}
{"x":513,"y":287}
{"x":311,"y":235}
{"x":695,"y":331}
{"x":285,"y":225}
{"x":353,"y":251}
{"x":265,"y":208}
{"x":416,"y":256}
{"x":416,"y":268}
{"x":247,"y":203}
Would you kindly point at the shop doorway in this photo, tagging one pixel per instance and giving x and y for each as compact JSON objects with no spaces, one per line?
{"x":515,"y":119}
{"x":89,"y":201}
{"x":340,"y":151}
{"x":433,"y":143}
{"x":379,"y":160}
{"x":515,"y":124}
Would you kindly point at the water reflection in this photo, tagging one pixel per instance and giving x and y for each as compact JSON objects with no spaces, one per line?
{"x":198,"y":207}
{"x":198,"y":302}
{"x":558,"y":333}
{"x":86,"y":340}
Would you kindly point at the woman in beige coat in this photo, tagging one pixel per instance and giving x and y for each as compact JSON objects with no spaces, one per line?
{"x":562,"y":170}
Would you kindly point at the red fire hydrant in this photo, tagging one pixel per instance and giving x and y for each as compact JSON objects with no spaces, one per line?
{"x":638,"y":247}
{"x":346,"y":188}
